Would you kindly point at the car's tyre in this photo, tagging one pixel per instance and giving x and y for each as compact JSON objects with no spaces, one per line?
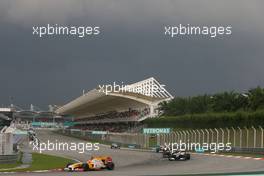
{"x":188,"y":156}
{"x":110,"y":166}
{"x":85,"y":167}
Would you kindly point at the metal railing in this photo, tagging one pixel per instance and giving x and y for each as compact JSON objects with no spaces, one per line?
{"x":239,"y":138}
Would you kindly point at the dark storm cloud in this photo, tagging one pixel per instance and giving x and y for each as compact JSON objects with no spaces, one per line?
{"x":131,"y":47}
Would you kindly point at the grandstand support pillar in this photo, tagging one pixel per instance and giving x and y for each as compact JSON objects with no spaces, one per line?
{"x":255,"y":136}
{"x":261,"y":136}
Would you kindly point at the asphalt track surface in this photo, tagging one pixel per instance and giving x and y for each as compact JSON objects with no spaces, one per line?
{"x":131,"y":163}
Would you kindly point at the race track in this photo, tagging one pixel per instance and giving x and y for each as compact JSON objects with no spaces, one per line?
{"x":130,"y":163}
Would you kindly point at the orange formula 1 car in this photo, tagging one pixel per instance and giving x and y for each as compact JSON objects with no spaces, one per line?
{"x":95,"y":163}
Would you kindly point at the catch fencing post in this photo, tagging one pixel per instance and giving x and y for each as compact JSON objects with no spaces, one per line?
{"x":212,"y":139}
{"x":234,"y":133}
{"x":174,"y":136}
{"x":160,"y":139}
{"x":216,"y":135}
{"x":240,"y":136}
{"x":247,"y":136}
{"x":199,"y":136}
{"x":223,"y":135}
{"x":228,"y":135}
{"x":191,"y":135}
{"x":188,"y":134}
{"x":166,"y":138}
{"x":194,"y":136}
{"x":170,"y":137}
{"x":261,"y":136}
{"x":184,"y":136}
{"x":208,"y":136}
{"x":255,"y":136}
{"x":178,"y":136}
{"x":203,"y":135}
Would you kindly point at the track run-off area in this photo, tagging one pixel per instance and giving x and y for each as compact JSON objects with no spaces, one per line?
{"x":131,"y":162}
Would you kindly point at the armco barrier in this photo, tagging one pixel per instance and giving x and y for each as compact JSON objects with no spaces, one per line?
{"x":8,"y":158}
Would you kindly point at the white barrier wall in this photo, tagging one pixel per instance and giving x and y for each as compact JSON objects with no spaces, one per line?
{"x":6,"y":143}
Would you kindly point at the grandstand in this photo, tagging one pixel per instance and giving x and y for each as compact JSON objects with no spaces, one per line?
{"x":116,"y":110}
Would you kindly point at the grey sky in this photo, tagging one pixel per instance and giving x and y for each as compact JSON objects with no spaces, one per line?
{"x":131,"y":47}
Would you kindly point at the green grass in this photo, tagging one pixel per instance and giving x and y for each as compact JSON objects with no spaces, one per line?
{"x":12,"y":165}
{"x":44,"y":162}
{"x":9,"y":166}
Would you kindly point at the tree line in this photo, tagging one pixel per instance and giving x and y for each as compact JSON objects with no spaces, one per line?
{"x":228,"y":101}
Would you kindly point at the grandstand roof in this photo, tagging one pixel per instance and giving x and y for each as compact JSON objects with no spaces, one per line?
{"x":105,"y":98}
